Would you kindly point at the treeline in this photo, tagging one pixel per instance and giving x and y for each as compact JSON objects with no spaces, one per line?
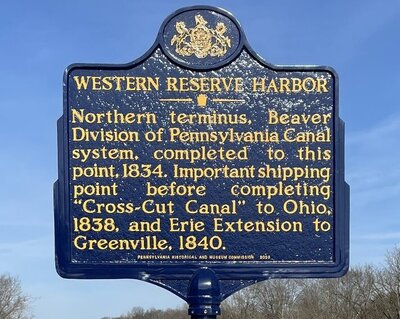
{"x":366,"y":292}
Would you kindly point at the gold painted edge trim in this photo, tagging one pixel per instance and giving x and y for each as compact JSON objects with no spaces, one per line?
{"x":228,"y":100}
{"x":176,"y":100}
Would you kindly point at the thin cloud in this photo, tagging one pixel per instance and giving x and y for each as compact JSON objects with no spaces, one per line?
{"x":387,"y":128}
{"x":373,"y":168}
{"x":35,"y":246}
{"x":373,"y":172}
{"x":378,"y":236}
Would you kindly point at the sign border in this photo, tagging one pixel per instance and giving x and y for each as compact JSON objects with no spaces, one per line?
{"x":154,"y":271}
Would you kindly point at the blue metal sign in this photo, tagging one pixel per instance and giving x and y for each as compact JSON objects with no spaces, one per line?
{"x":201,"y":155}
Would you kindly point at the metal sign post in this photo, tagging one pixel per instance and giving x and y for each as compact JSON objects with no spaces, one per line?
{"x":200,"y":167}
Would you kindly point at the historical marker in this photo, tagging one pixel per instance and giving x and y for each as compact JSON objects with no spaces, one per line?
{"x":201,"y":162}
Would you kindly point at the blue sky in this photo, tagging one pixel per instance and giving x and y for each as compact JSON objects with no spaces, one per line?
{"x":360,"y":39}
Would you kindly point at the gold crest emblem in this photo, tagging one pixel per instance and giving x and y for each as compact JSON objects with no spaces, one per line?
{"x":201,"y":40}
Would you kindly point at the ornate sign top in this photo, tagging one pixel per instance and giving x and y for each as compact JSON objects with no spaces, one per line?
{"x":201,"y":40}
{"x":201,"y":37}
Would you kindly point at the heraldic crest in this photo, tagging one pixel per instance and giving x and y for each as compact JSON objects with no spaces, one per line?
{"x":201,"y":40}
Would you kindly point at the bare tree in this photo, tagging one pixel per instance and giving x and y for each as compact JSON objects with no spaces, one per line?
{"x":140,"y":313}
{"x":14,"y":304}
{"x":387,"y":301}
{"x":241,"y":305}
{"x":275,"y":298}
